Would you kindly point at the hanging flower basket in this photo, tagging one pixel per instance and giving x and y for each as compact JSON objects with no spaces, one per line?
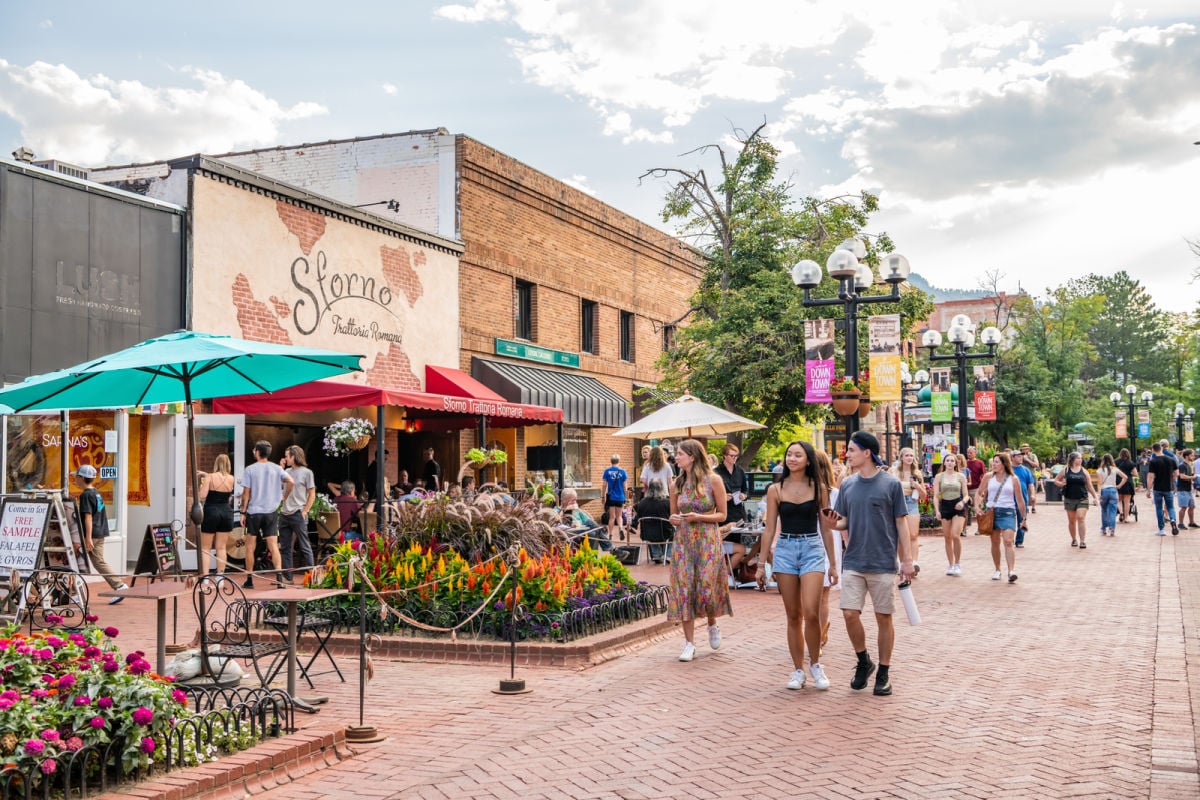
{"x":347,"y":435}
{"x":864,"y":406}
{"x":845,"y":401}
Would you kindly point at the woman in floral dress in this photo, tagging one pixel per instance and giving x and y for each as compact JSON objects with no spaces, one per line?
{"x":699,"y":580}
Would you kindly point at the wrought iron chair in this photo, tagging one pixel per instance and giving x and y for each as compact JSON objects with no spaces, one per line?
{"x":55,"y":598}
{"x":226,"y":622}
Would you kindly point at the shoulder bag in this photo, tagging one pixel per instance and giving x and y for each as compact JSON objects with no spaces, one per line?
{"x":985,"y":519}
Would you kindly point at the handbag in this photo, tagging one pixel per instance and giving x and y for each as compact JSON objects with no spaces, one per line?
{"x":985,"y":521}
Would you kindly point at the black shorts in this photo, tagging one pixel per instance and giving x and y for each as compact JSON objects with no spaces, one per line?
{"x":610,"y":503}
{"x":217,"y":519}
{"x":947,"y":509}
{"x":265,"y":525}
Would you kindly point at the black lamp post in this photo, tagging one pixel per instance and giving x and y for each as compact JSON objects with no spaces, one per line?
{"x":854,"y":276}
{"x":909,"y":384}
{"x":1130,"y":407}
{"x":1180,"y":418}
{"x":962,"y":335}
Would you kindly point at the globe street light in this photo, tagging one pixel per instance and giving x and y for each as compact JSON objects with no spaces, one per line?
{"x":1180,"y":418}
{"x":910,"y":384}
{"x":847,"y":265}
{"x":961,"y":334}
{"x":1132,"y":404}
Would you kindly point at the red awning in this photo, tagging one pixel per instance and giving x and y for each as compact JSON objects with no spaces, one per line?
{"x":448,"y":380}
{"x":448,"y":410}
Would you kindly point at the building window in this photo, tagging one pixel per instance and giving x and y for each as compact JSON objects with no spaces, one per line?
{"x":589,"y":315}
{"x":627,"y":353}
{"x":524,"y":306}
{"x":668,"y":342}
{"x":577,"y":455}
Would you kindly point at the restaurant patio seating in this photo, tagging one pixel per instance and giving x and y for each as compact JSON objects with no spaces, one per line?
{"x":226,"y":622}
{"x":320,"y":624}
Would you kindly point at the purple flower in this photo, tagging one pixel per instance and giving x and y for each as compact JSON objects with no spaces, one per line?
{"x":140,"y":667}
{"x":77,"y":638}
{"x":111,"y":666}
{"x":111,"y":632}
{"x":39,"y":693}
{"x":134,"y":656}
{"x":6,"y":703}
{"x":179,"y":696}
{"x":34,"y":746}
{"x":54,"y":641}
{"x":83,"y":700}
{"x":147,"y":745}
{"x":96,"y":722}
{"x":91,"y":618}
{"x":49,"y":735}
{"x":74,"y":743}
{"x":142,"y":715}
{"x":104,"y":703}
{"x":10,"y":694}
{"x":85,"y":664}
{"x":91,"y":651}
{"x":66,"y":682}
{"x":47,"y":678}
{"x":24,"y":650}
{"x":48,"y":766}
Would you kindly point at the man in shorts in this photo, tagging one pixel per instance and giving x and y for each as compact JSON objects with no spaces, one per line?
{"x":870,"y":505}
{"x":615,"y":480}
{"x":1184,"y":485}
{"x":264,"y":484}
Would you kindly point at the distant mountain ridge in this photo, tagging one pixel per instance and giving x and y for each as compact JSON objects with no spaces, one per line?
{"x":940,"y":294}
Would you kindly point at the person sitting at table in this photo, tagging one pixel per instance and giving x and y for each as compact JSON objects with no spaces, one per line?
{"x":579,"y":521}
{"x":651,"y":519}
{"x":347,"y":507}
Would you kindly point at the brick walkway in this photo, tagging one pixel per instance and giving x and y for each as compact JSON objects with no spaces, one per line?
{"x":1081,"y":680}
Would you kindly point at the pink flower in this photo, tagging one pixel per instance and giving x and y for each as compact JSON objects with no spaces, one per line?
{"x":147,"y":745}
{"x":6,"y":703}
{"x":34,"y":746}
{"x":83,"y":700}
{"x":136,"y":655}
{"x":179,"y":696}
{"x":142,"y":715}
{"x":10,"y":694}
{"x":49,"y":735}
{"x":91,"y":618}
{"x":54,"y":641}
{"x":111,"y":666}
{"x":39,"y":693}
{"x":49,"y":766}
{"x":66,"y":682}
{"x":111,"y":632}
{"x":96,"y":722}
{"x":104,"y":703}
{"x":140,"y":667}
{"x":47,"y":678}
{"x":91,"y":651}
{"x":74,"y":743}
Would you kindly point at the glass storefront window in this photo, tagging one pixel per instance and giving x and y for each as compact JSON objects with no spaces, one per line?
{"x":577,"y":454}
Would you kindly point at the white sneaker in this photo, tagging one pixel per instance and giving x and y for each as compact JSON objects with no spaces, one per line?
{"x":957,"y":570}
{"x":996,"y":575}
{"x":797,"y":680}
{"x":1161,"y":533}
{"x":689,"y":652}
{"x":950,"y":570}
{"x":819,"y":679}
{"x":714,"y":637}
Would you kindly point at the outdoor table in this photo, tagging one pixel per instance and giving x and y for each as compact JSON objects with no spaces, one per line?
{"x":159,"y":591}
{"x":294,"y":596}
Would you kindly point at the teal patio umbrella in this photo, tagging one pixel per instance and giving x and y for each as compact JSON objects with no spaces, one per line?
{"x":180,"y":367}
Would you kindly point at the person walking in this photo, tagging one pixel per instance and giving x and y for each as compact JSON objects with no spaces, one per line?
{"x":1162,"y":475}
{"x":1002,"y":493}
{"x":870,"y":505}
{"x":1184,"y":487}
{"x":1028,"y":486}
{"x":93,"y":523}
{"x":293,"y":517}
{"x":737,"y":486}
{"x":1077,"y":488}
{"x":825,"y":467}
{"x":1125,"y":490}
{"x":263,"y":486}
{"x":216,"y":491}
{"x":802,"y":558}
{"x":656,"y":466}
{"x":615,"y":480}
{"x":1111,"y":480}
{"x":951,"y":494}
{"x":912,"y":483}
{"x":699,"y":579}
{"x":974,"y":471}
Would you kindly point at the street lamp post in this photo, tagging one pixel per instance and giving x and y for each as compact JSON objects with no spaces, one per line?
{"x":1131,"y":406}
{"x":961,"y":333}
{"x":1180,"y":418}
{"x":909,"y":384}
{"x":854,"y":276}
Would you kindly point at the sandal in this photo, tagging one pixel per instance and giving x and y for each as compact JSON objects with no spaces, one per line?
{"x":1083,"y":545}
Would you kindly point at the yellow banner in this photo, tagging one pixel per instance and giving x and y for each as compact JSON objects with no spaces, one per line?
{"x":884,"y":350}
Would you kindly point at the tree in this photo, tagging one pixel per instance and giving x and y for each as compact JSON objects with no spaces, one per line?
{"x":1129,"y":333}
{"x":743,"y":345}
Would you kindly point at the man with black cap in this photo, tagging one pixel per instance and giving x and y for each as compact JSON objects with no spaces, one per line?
{"x":870,"y":505}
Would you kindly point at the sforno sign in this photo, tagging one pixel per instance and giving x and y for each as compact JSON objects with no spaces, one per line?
{"x":322,"y":289}
{"x":467,"y":405}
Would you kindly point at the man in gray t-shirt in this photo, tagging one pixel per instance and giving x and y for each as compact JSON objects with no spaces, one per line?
{"x":871,"y":507}
{"x":293,"y":516}
{"x":263,"y":485}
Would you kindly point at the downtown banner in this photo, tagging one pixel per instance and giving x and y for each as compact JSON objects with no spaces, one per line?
{"x":1143,"y":423}
{"x":940,"y":404}
{"x":985,"y":392}
{"x":883,"y":348}
{"x":1122,"y":429}
{"x":818,"y":360}
{"x":1187,"y":432}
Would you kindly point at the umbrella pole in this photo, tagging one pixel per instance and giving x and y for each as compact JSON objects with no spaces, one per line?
{"x":197,"y":513}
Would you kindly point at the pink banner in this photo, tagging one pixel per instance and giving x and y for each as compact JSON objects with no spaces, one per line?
{"x":818,"y":360}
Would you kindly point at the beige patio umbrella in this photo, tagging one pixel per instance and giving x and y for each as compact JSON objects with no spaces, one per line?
{"x":690,"y":417}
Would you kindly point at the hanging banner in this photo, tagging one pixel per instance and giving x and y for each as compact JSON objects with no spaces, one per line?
{"x":1122,"y":429}
{"x":985,"y":392}
{"x":1143,"y":423}
{"x":1187,"y":431}
{"x":818,"y":360}
{"x":940,"y":403}
{"x":883,"y":337}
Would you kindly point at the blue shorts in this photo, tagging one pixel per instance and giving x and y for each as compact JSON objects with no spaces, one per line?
{"x":799,"y":555}
{"x":1005,"y":519}
{"x":1183,"y":499}
{"x":914,"y":508}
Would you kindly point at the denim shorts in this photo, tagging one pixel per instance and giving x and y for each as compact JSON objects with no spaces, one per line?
{"x":1183,"y":499}
{"x":913,"y":508}
{"x":799,"y":555}
{"x":1005,"y":519}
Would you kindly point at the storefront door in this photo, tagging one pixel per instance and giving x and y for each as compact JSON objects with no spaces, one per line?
{"x":215,"y":434}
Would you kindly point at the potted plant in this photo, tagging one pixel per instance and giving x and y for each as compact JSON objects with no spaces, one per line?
{"x":845,"y":395}
{"x":347,"y":435}
{"x":864,"y":400}
{"x":480,"y":458}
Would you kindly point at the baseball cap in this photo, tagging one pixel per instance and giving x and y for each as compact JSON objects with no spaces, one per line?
{"x":86,"y":471}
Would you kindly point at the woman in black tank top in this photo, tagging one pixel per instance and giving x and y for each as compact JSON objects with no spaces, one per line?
{"x":801,"y":550}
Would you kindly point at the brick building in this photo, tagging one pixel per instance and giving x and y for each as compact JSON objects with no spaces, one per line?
{"x":564,"y":301}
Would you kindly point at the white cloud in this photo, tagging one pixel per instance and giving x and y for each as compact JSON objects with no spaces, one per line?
{"x":96,"y":119}
{"x":46,"y":24}
{"x":481,"y":11}
{"x":389,"y":88}
{"x":580,"y":182}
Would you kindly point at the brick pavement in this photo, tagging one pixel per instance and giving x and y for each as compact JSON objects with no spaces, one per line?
{"x":1080,"y":680}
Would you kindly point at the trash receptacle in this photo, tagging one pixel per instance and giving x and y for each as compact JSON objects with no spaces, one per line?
{"x":1053,"y":492}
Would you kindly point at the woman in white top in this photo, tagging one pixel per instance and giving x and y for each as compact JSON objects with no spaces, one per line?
{"x":950,"y":498}
{"x":1003,"y":495}
{"x":656,"y":466}
{"x":912,"y":482}
{"x":1111,"y":480}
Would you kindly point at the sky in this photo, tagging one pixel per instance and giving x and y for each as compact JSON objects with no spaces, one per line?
{"x":1042,"y":140}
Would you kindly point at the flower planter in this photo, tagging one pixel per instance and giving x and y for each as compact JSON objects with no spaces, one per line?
{"x":845,"y":403}
{"x":359,"y":443}
{"x":864,"y":406}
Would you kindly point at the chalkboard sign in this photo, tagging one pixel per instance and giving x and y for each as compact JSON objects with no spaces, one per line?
{"x":22,"y":533}
{"x":158,"y":554}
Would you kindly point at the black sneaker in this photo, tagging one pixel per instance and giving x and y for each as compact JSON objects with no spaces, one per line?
{"x":248,"y":583}
{"x":1174,"y":529}
{"x":883,"y":687}
{"x":861,"y":673}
